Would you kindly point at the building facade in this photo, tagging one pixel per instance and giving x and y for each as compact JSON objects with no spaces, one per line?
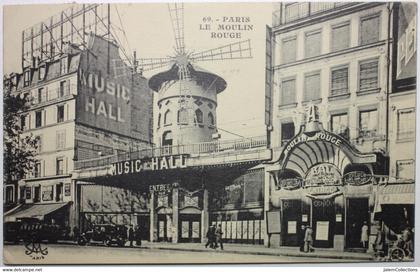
{"x":329,"y":121}
{"x":79,"y":109}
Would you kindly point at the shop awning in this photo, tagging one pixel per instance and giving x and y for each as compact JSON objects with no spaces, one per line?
{"x":397,"y":194}
{"x":37,"y":211}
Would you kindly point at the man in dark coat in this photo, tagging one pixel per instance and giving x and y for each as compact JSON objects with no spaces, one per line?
{"x":131,"y":235}
{"x":138,"y":236}
{"x":301,"y":238}
{"x":210,"y":237}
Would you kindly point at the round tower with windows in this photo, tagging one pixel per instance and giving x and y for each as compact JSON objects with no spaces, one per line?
{"x":187,"y":102}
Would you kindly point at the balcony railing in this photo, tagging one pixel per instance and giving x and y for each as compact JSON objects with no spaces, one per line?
{"x":192,"y":149}
{"x":53,"y":94}
{"x":295,"y":11}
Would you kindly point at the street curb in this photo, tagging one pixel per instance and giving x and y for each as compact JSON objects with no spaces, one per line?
{"x":287,"y":254}
{"x":308,"y":255}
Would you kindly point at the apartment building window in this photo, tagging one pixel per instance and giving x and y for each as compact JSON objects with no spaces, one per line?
{"x":59,"y":192}
{"x":369,"y":29}
{"x":38,"y":119}
{"x":47,"y":193}
{"x":23,"y":122}
{"x":39,"y":143}
{"x":405,"y":169}
{"x":41,"y":95}
{"x":63,"y":66}
{"x":63,"y":88}
{"x":294,"y":11}
{"x":26,"y":78}
{"x":37,"y":170}
{"x":60,"y":113}
{"x":61,"y":139}
{"x":406,"y":124}
{"x":288,"y":50}
{"x":287,"y":132}
{"x":41,"y":74}
{"x":312,"y":86}
{"x":59,"y":166}
{"x":288,"y":92}
{"x":313,"y":43}
{"x":10,"y":192}
{"x":339,"y":81}
{"x":22,"y":194}
{"x":368,"y":75}
{"x":340,"y":124}
{"x":340,"y":37}
{"x":368,"y":123}
{"x":199,"y":116}
{"x":37,"y":193}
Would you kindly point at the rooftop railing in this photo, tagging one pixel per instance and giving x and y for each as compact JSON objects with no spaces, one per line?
{"x":294,"y":11}
{"x":205,"y":148}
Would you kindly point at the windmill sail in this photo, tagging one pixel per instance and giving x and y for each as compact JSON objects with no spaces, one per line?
{"x":237,"y":50}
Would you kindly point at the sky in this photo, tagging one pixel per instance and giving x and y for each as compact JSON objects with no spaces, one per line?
{"x":149,"y":31}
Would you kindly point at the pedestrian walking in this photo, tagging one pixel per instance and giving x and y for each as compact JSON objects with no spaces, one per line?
{"x":364,"y":237}
{"x":75,"y":233}
{"x":219,"y":234}
{"x":210,"y":237}
{"x":131,"y":235}
{"x":138,"y":236}
{"x":302,"y":238}
{"x":308,"y":239}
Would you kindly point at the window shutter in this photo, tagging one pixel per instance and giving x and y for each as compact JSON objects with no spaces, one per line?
{"x":312,"y":87}
{"x":312,"y":44}
{"x":369,"y":30}
{"x":340,"y":36}
{"x":289,"y":50}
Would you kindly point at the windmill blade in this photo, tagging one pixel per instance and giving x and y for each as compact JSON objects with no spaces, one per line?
{"x":176,"y":12}
{"x":153,"y":63}
{"x":237,"y":50}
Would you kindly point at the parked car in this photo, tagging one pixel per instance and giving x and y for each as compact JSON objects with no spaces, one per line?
{"x":39,"y":232}
{"x":105,"y":234}
{"x":12,"y":232}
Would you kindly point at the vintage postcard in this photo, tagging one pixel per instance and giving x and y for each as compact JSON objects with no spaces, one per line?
{"x":166,"y":133}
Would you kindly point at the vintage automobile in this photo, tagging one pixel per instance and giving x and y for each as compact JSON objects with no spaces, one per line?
{"x":40,"y":232}
{"x":12,"y":232}
{"x":106,"y":234}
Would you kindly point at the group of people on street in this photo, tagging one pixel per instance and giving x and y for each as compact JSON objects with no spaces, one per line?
{"x":306,"y":239}
{"x":386,"y":241}
{"x":134,"y":234}
{"x":214,"y":237}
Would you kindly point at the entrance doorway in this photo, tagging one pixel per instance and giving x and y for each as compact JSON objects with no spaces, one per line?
{"x":323,"y":222}
{"x":292,"y":221}
{"x":164,"y":228}
{"x":143,"y":221}
{"x":357,"y":213}
{"x":190,"y":228}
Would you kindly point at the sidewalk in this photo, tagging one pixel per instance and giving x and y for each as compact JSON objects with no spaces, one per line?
{"x":262,"y":250}
{"x":254,"y":250}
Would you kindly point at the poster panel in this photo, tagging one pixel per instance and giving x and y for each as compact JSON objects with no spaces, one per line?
{"x":195,"y":229}
{"x":322,"y":230}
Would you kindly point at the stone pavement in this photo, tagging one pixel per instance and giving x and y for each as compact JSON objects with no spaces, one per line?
{"x":256,"y":250}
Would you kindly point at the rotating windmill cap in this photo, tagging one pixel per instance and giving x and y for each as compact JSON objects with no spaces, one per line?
{"x":187,"y":94}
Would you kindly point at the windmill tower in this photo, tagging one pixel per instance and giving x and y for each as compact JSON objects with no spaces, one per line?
{"x":187,"y":94}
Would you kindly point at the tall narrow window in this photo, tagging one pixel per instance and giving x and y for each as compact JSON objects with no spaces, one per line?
{"x":288,"y":92}
{"x":340,"y":124}
{"x":38,"y":119}
{"x":60,"y":113}
{"x":182,"y":116}
{"x":41,"y":96}
{"x":369,"y":29}
{"x":287,"y":132}
{"x":340,"y":37}
{"x":339,"y":81}
{"x":63,"y":89}
{"x":39,"y":143}
{"x":59,"y":166}
{"x":210,"y":118}
{"x":37,"y":169}
{"x":23,"y":122}
{"x":26,"y":78}
{"x":312,"y":87}
{"x":64,"y":66}
{"x":42,"y":72}
{"x":288,"y":50}
{"x":60,"y":139}
{"x":312,"y":44}
{"x":368,"y":77}
{"x":167,"y":118}
{"x":158,"y":122}
{"x":368,"y":123}
{"x":406,"y":124}
{"x":199,"y":116}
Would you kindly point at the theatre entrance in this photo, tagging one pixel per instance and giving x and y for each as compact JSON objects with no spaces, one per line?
{"x":164,"y":233}
{"x":357,"y":212}
{"x":292,"y":221}
{"x":190,"y":228}
{"x":323,"y":222}
{"x":143,"y":222}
